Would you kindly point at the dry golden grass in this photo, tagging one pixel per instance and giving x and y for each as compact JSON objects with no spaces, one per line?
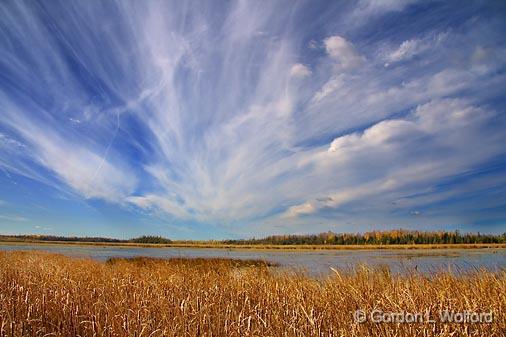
{"x":44,"y":294}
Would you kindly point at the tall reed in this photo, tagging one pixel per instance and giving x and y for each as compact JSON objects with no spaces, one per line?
{"x":44,"y":294}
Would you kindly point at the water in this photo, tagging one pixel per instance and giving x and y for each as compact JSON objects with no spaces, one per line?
{"x":316,"y":263}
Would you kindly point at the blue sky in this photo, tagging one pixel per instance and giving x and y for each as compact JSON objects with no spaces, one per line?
{"x":229,"y":119}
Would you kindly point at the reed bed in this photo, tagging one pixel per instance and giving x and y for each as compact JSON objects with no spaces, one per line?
{"x":44,"y":294}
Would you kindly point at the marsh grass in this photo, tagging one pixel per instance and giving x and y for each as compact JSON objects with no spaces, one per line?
{"x":44,"y":294}
{"x":194,"y":262}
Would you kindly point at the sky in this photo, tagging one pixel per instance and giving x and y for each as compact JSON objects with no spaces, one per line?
{"x":239,"y":119}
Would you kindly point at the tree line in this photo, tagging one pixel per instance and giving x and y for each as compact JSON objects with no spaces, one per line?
{"x":150,"y":239}
{"x":141,"y":239}
{"x":399,"y":236}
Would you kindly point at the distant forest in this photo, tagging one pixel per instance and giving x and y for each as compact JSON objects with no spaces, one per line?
{"x":141,"y":239}
{"x":391,"y":237}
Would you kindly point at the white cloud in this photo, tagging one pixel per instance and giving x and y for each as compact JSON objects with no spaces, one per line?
{"x":402,"y":154}
{"x":380,"y":133}
{"x":213,"y":128}
{"x":82,"y":168}
{"x":330,"y":87}
{"x":302,"y":209}
{"x":300,"y":70}
{"x":10,"y":143}
{"x":406,"y":50}
{"x":413,"y":47}
{"x":343,"y":52}
{"x":164,"y":204}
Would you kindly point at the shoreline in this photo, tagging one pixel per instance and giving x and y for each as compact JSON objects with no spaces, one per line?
{"x":263,"y":247}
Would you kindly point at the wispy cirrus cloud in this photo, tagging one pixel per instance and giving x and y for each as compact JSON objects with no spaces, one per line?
{"x":10,"y":217}
{"x":229,"y":114}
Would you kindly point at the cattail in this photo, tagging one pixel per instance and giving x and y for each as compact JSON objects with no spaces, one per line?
{"x":47,"y":294}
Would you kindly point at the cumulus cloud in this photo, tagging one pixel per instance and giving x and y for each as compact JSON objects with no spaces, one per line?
{"x":343,"y":52}
{"x":406,"y":152}
{"x":300,"y":70}
{"x":302,"y":209}
{"x":380,"y":133}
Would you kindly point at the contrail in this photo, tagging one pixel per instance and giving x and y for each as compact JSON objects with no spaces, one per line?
{"x":106,"y":150}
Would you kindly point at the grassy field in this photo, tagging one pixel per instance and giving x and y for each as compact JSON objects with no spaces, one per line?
{"x":44,"y":294}
{"x":205,"y":244}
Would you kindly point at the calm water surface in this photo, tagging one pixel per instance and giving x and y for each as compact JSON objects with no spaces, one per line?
{"x":316,"y":262}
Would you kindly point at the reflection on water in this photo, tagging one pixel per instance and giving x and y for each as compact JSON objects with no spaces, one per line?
{"x":316,"y":262}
